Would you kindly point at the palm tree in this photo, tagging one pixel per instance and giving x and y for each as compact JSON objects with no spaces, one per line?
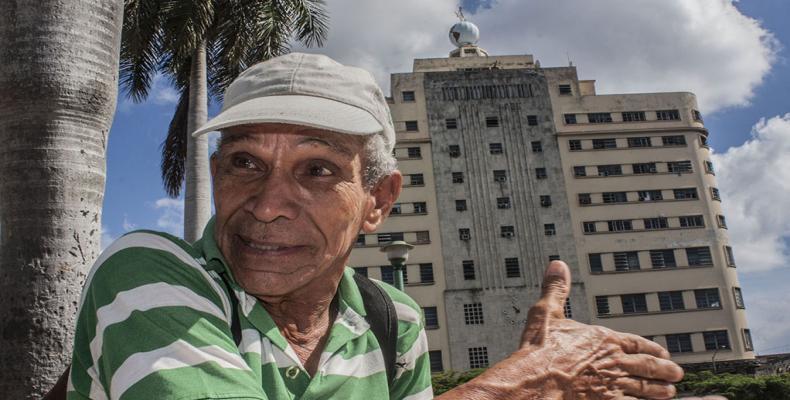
{"x":202,"y":45}
{"x":58,"y":81}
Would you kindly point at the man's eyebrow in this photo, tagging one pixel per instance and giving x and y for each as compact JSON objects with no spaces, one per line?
{"x":227,"y":138}
{"x":336,"y":147}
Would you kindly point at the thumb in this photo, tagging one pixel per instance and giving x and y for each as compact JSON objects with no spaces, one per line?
{"x":556,"y":286}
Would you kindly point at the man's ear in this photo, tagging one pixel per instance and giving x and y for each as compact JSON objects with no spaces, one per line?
{"x":213,"y":164}
{"x":383,"y":195}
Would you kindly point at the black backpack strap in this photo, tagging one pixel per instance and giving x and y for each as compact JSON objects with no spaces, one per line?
{"x":382,"y":319}
{"x":235,"y":323}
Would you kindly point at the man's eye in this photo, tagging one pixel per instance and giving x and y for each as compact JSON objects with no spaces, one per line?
{"x":242,"y":162}
{"x":319,"y":170}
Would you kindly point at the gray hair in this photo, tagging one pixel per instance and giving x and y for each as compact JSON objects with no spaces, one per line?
{"x":377,"y":162}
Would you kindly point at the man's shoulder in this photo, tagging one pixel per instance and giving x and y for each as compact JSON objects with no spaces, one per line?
{"x":406,"y":308}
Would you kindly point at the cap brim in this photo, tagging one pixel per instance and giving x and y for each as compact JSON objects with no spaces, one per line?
{"x":311,"y":111}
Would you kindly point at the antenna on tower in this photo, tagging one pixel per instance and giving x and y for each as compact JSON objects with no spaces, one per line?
{"x":570,"y":63}
{"x":460,"y":14}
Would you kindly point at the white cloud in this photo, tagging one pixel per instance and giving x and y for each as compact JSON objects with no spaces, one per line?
{"x":127,"y":225}
{"x":704,"y":46}
{"x":171,"y":217}
{"x":161,"y":93}
{"x":754,"y":179}
{"x":106,"y":237}
{"x":769,"y":321}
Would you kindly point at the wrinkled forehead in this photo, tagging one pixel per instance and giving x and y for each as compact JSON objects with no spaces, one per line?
{"x":344,"y":144}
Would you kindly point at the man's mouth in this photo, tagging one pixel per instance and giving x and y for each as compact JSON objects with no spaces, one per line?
{"x":270,"y":248}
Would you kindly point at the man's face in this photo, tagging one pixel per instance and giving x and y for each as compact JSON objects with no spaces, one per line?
{"x":290,"y":202}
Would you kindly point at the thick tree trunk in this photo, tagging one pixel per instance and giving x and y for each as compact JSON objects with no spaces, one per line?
{"x":197,"y":197}
{"x":58,"y":87}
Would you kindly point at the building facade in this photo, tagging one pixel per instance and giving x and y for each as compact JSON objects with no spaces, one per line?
{"x":509,"y":165}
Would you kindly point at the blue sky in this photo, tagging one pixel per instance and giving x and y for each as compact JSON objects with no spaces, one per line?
{"x":738,"y":82}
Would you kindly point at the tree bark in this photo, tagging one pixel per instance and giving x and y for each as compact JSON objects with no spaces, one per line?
{"x":58,"y":86}
{"x":197,"y":196}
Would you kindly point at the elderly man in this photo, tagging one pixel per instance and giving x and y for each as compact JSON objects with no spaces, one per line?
{"x":264,"y":306}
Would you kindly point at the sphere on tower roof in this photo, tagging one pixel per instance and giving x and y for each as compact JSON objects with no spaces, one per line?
{"x":464,"y":33}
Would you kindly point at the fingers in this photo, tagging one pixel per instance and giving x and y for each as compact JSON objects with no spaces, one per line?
{"x":642,"y":365}
{"x":634,"y":344}
{"x":556,"y":287}
{"x":645,"y":388}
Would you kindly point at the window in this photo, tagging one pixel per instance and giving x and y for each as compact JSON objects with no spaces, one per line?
{"x":503,"y":202}
{"x":565,"y":90}
{"x":596,"y":265}
{"x":579,"y":171}
{"x":426,"y":273}
{"x":709,"y":168}
{"x":678,"y":140}
{"x":407,"y":95}
{"x":416,"y":180}
{"x":716,"y":340}
{"x":655,"y":223}
{"x":495,"y":148}
{"x":435,"y":357}
{"x":667,"y":115}
{"x":387,"y":274}
{"x":634,"y":303}
{"x":721,"y":221}
{"x":650,"y":195}
{"x":464,"y":234}
{"x":507,"y":231}
{"x":460,"y":205}
{"x":714,"y":194}
{"x":473,"y":314}
{"x":686,"y":194}
{"x":707,"y":298}
{"x":537,"y":147}
{"x":512,"y":269}
{"x":692,"y":221}
{"x":492,"y":122}
{"x":478,"y":357}
{"x":697,"y":115}
{"x":602,"y":305}
{"x":599,"y":118}
{"x":626,"y":261}
{"x":423,"y":237}
{"x":747,"y":340}
{"x":396,"y":209}
{"x":584,"y":198}
{"x":634,"y":116}
{"x":679,"y":343}
{"x":604,"y":144}
{"x":500,"y":175}
{"x":644,"y":168}
{"x":575,"y":145}
{"x":431,"y":317}
{"x":699,"y":256}
{"x":671,"y":301}
{"x":615,"y":197}
{"x":468,"y":270}
{"x":540,"y":173}
{"x":738,"y":297}
{"x":454,"y":150}
{"x":619,"y":225}
{"x":663,"y":258}
{"x":451,"y":123}
{"x":532,"y":120}
{"x":679,"y":167}
{"x":729,"y":256}
{"x":458,"y":177}
{"x":362,"y":271}
{"x":703,"y":141}
{"x":570,"y":119}
{"x":411,"y":126}
{"x":639,"y":142}
{"x":549,"y":230}
{"x":589,"y":227}
{"x":545,"y":201}
{"x":567,"y":311}
{"x":414,"y":152}
{"x":420,"y":207}
{"x":389,"y":237}
{"x":610,"y":170}
{"x":360,"y":240}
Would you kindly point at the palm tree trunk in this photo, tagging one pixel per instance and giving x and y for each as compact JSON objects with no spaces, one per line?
{"x":197,"y":198}
{"x":58,"y":80}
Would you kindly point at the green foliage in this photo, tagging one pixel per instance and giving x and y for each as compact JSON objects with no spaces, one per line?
{"x":444,"y":381}
{"x":737,"y":387}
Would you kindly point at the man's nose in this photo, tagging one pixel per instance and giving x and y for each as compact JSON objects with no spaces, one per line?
{"x":276,"y":197}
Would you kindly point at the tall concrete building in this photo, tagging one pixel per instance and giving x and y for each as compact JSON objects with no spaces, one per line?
{"x":509,"y":164}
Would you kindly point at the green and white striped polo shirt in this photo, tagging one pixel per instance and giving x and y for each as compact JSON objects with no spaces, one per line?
{"x":154,"y":323}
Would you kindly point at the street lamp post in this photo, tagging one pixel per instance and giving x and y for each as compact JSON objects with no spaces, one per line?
{"x":397,"y":253}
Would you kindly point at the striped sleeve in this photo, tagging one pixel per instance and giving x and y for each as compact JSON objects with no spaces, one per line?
{"x":153,"y":324}
{"x":413,"y":375}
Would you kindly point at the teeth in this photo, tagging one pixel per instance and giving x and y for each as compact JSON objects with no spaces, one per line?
{"x":264,"y":247}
